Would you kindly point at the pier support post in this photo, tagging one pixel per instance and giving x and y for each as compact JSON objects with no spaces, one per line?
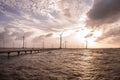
{"x":31,"y":52}
{"x":8,"y":55}
{"x":18,"y":53}
{"x":25,"y":52}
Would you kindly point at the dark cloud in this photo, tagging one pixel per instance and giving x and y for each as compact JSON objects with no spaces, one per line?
{"x":110,"y":33}
{"x":89,"y":35}
{"x":8,"y":8}
{"x":41,"y":37}
{"x":49,"y":35}
{"x":104,"y":11}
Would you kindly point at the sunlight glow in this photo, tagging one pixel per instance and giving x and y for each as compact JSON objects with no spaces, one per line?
{"x":87,"y":34}
{"x":81,"y":34}
{"x":64,"y":33}
{"x":67,"y":33}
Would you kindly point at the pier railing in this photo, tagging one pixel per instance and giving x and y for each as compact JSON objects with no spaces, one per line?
{"x":19,"y":51}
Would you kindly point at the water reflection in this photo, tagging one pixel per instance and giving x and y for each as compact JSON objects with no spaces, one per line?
{"x":63,"y":65}
{"x":87,"y":65}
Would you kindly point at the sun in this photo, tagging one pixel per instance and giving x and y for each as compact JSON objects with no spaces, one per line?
{"x":89,"y":35}
{"x":81,"y":34}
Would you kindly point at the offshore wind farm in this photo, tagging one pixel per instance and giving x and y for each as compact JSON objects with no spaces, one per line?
{"x":59,"y":39}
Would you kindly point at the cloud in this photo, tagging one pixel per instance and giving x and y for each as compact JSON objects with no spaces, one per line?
{"x":49,"y":35}
{"x":5,"y":37}
{"x":89,"y":35}
{"x":105,"y":15}
{"x":73,"y":9}
{"x":103,"y":12}
{"x":39,"y":17}
{"x":42,"y":37}
{"x":112,"y":33}
{"x":45,"y":13}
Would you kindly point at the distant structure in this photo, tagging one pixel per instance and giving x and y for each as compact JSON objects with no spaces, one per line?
{"x":23,"y":41}
{"x":43,"y":44}
{"x":86,"y":44}
{"x":3,"y":43}
{"x":61,"y":40}
{"x":65,"y":44}
{"x":13,"y":45}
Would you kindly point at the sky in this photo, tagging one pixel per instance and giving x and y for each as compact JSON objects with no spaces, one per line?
{"x":96,"y":21}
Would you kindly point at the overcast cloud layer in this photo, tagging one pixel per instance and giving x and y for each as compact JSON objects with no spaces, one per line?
{"x":105,"y":14}
{"x":40,"y":20}
{"x":104,"y":11}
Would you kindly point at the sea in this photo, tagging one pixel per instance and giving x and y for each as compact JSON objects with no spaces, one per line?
{"x":62,"y":64}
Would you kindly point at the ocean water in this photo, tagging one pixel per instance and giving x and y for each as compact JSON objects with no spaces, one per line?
{"x":69,"y":64}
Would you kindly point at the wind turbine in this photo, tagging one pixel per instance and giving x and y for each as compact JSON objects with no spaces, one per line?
{"x":65,"y":44}
{"x":23,"y":40}
{"x":86,"y":43}
{"x":61,"y":40}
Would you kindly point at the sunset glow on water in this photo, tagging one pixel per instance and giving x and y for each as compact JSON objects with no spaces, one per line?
{"x":74,"y":64}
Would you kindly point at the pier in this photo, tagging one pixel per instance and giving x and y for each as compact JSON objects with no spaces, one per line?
{"x":18,"y":51}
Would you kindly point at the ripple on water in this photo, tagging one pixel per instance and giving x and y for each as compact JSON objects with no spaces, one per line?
{"x":97,"y":64}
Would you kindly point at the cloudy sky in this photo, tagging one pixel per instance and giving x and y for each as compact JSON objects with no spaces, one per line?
{"x":96,"y":21}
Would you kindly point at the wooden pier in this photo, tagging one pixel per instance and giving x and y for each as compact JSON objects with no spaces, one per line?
{"x":19,"y":51}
